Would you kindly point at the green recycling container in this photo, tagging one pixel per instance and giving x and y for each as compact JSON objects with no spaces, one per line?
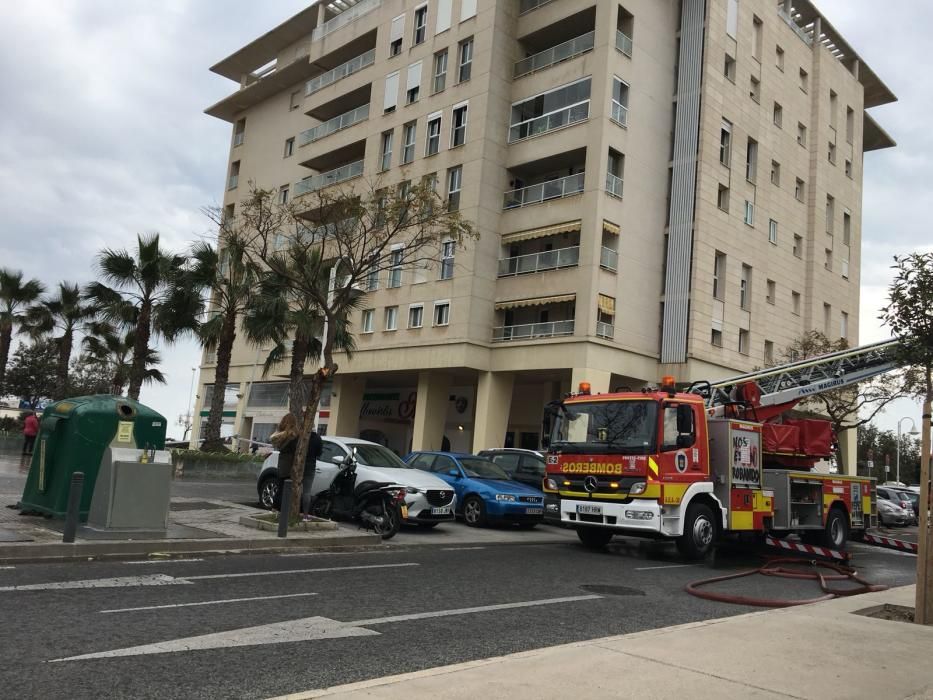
{"x":73,"y":436}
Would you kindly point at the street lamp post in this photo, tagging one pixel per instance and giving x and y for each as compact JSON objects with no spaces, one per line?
{"x":913,"y":431}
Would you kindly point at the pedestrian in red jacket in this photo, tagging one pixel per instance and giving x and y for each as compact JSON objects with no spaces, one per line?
{"x":30,"y":430}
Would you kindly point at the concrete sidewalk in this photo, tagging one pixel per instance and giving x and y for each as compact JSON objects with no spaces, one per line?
{"x":818,"y":651}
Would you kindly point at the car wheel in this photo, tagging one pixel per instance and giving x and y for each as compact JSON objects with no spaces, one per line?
{"x":699,"y":532}
{"x":594,"y":537}
{"x":270,"y":493}
{"x":474,"y":511}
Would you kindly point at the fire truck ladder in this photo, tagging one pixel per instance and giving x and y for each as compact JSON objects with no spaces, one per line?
{"x":796,"y":380}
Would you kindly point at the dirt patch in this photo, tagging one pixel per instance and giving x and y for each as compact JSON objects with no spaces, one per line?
{"x":895,"y":613}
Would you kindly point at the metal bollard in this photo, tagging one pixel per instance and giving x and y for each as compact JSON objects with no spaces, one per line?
{"x":286,"y":502}
{"x":74,"y":507}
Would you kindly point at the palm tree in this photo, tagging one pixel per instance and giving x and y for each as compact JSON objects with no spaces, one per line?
{"x":115,"y":350}
{"x":231,"y":280}
{"x":148,"y":293}
{"x":67,"y":313}
{"x":15,"y":297}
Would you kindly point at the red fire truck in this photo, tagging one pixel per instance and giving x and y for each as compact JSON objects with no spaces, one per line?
{"x":718,"y":458}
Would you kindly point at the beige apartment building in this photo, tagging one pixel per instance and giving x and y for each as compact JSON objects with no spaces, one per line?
{"x":661,"y":187}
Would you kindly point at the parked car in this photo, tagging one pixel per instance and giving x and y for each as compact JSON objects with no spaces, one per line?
{"x":429,"y":499}
{"x":485,"y":493}
{"x":526,"y":466}
{"x":914,"y":500}
{"x":889,"y":513}
{"x":897,"y":497}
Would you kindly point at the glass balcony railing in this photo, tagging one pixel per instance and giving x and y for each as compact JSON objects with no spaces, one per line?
{"x":605,"y":330}
{"x":619,"y":113}
{"x":549,"y":122}
{"x":552,"y":189}
{"x":624,"y":43}
{"x":529,"y":5}
{"x":555,"y":54}
{"x":332,"y":177}
{"x":344,"y":18}
{"x":529,"y":331}
{"x":358,"y":63}
{"x":614,"y":185}
{"x":608,"y":258}
{"x":539,"y":262}
{"x":331,"y":126}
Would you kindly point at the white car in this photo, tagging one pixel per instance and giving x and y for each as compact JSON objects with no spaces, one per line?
{"x":430,"y":500}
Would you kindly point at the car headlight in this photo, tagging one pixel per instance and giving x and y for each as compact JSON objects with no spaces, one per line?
{"x":638,"y":488}
{"x":505,"y":497}
{"x":412,"y":489}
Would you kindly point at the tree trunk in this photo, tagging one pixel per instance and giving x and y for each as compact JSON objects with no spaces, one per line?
{"x":64,"y":357}
{"x":923,"y":610}
{"x":307,"y":425}
{"x":6,"y":336}
{"x":296,"y":375}
{"x":212,"y":441}
{"x":140,"y":349}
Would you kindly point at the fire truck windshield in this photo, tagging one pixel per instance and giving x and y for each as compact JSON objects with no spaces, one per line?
{"x":619,"y":427}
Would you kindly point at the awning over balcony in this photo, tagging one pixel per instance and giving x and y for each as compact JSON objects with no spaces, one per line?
{"x":537,"y":301}
{"x":541,"y":232}
{"x":606,"y":304}
{"x":610,"y":227}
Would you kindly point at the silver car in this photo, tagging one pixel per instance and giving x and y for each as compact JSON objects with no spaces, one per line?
{"x":889,"y":513}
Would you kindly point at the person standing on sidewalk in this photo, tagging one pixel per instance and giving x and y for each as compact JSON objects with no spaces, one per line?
{"x":285,"y":440}
{"x":315,"y":450}
{"x":30,"y":430}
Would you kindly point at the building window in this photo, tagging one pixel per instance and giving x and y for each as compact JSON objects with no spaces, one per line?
{"x":754,"y":89}
{"x":775,"y":173}
{"x":848,"y":169}
{"x":725,"y":142}
{"x":795,"y":302}
{"x":769,"y":352}
{"x":454,"y":181}
{"x":728,"y":68}
{"x":798,"y":246}
{"x":732,"y":18}
{"x":831,"y":153}
{"x":833,"y":108}
{"x":757,"y":30}
{"x":846,"y":227}
{"x":772,"y":231}
{"x":441,"y":313}
{"x":440,"y":71}
{"x":745,"y":288}
{"x":289,"y":147}
{"x":743,"y":341}
{"x":367,"y":322}
{"x":421,"y":24}
{"x":390,"y":96}
{"x":396,"y":32}
{"x":830,"y":213}
{"x":239,"y":132}
{"x":778,"y":115}
{"x":749,"y":213}
{"x":772,"y":287}
{"x":558,"y":107}
{"x":234,"y":179}
{"x":844,"y":325}
{"x":850,"y":125}
{"x":716,"y":338}
{"x":722,"y":198}
{"x":618,"y":108}
{"x":465,"y":55}
{"x":408,"y":142}
{"x":827,"y":318}
{"x":800,"y":190}
{"x":779,"y":58}
{"x":829,"y":260}
{"x":719,"y":275}
{"x":404,"y":197}
{"x":448,"y":248}
{"x":458,"y":126}
{"x":386,"y":150}
{"x":283,"y":194}
{"x":294,"y":102}
{"x":229,"y":212}
{"x":391,"y":318}
{"x":433,"y":143}
{"x":804,"y":80}
{"x":801,"y":134}
{"x":415,"y":316}
{"x":372,"y":277}
{"x":395,"y":268}
{"x":751,"y":160}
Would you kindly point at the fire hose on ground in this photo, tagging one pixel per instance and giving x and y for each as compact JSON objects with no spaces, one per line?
{"x":776,"y":567}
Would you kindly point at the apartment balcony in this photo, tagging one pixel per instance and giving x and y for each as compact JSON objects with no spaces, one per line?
{"x":614,"y":185}
{"x":340,"y":13}
{"x":605,"y":330}
{"x":332,"y":126}
{"x":619,"y":113}
{"x":326,"y":179}
{"x":530,"y":5}
{"x":559,"y":119}
{"x":544,"y":191}
{"x":555,"y":54}
{"x":624,"y":43}
{"x":608,"y":259}
{"x":540,"y":262}
{"x":232,"y":182}
{"x":534,"y":318}
{"x":532,"y":331}
{"x":344,"y":70}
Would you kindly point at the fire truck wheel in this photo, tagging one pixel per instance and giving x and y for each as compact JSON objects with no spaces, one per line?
{"x":594,"y":537}
{"x":837,"y":529}
{"x":699,"y":532}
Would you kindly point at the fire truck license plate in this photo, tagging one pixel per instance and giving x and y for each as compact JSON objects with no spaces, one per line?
{"x":589,"y":510}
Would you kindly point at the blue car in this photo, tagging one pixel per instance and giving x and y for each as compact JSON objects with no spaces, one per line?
{"x":485,"y":493}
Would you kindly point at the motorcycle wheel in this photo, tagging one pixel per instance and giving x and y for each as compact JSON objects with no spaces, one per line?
{"x":392,"y":519}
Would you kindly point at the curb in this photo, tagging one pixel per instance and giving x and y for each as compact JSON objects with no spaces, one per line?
{"x":61,"y":552}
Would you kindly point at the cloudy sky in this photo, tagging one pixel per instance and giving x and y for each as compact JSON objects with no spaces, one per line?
{"x":102,"y":135}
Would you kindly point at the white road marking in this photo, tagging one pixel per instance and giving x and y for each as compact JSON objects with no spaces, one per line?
{"x":160,"y":561}
{"x":209,"y":602}
{"x":299,"y":571}
{"x":666,"y":566}
{"x":7,"y":567}
{"x":120,"y":582}
{"x":302,"y":630}
{"x":459,"y":549}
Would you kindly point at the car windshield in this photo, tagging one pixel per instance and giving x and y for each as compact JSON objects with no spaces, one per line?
{"x":477,"y":468}
{"x":378,"y":456}
{"x":910,"y":496}
{"x":621,"y":427}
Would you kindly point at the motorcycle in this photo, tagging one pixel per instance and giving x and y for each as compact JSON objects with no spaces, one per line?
{"x":377,"y":506}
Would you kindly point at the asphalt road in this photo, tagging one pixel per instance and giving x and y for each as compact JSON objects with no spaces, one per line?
{"x":348,"y":617}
